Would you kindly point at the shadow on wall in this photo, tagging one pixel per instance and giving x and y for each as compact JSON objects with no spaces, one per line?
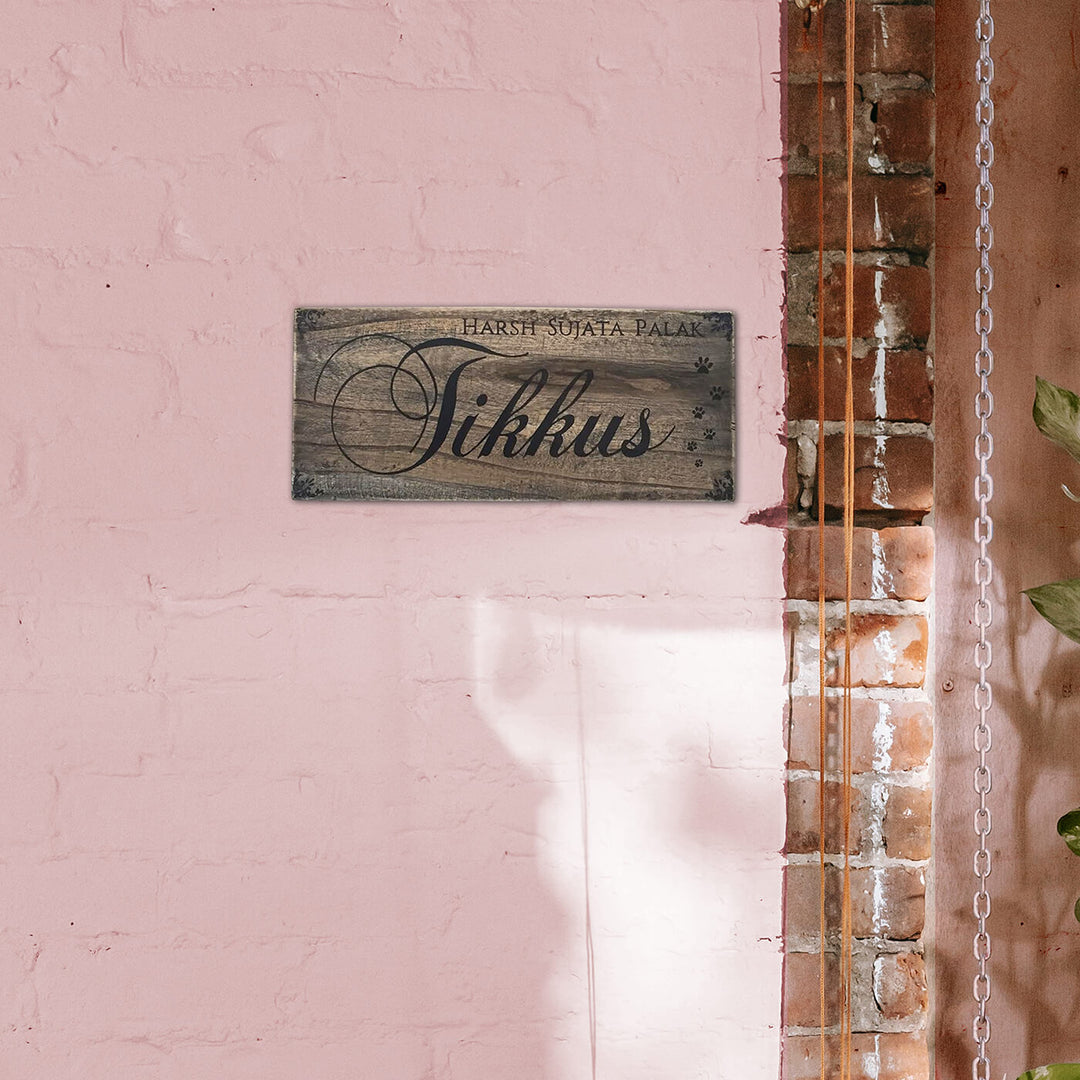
{"x":1036,"y":940}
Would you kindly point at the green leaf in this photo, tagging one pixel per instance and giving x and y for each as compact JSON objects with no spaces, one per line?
{"x":1069,"y":830}
{"x":1076,"y":911}
{"x":1059,"y":604}
{"x":1053,"y":1072}
{"x":1057,"y":415}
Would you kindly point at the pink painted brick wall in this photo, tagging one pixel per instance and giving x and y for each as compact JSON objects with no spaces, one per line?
{"x":295,"y":790}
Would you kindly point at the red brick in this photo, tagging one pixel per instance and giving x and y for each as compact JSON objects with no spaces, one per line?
{"x":890,"y":39}
{"x":886,"y":1056}
{"x":907,"y":827}
{"x":890,"y":902}
{"x":887,"y":564}
{"x":887,"y":736}
{"x":886,"y":650}
{"x":887,"y":901}
{"x":892,"y":304}
{"x":802,"y":119}
{"x":891,"y":473}
{"x":904,"y":131}
{"x":900,"y":986}
{"x":802,"y":990}
{"x":901,"y":1055}
{"x":888,"y":213}
{"x":803,"y":822}
{"x":898,"y":127}
{"x":899,"y":379}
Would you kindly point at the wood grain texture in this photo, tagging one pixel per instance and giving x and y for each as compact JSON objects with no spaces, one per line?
{"x":513,"y":404}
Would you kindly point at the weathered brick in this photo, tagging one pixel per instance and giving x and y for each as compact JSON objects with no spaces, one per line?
{"x":792,"y":485}
{"x":888,"y":384}
{"x":890,"y":901}
{"x":907,"y":827}
{"x":885,"y":1056}
{"x":900,"y":986}
{"x":889,"y":213}
{"x":886,"y":901}
{"x":889,"y":40}
{"x":803,"y":826}
{"x":886,"y":650}
{"x":887,"y":736}
{"x":887,"y":564}
{"x":892,"y":304}
{"x":891,"y":473}
{"x":904,"y":128}
{"x":802,"y":990}
{"x":802,"y":120}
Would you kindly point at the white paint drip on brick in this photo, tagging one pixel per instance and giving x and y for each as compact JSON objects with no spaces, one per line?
{"x":880,"y":492}
{"x":883,"y":739}
{"x":885,"y":647}
{"x":881,"y":917}
{"x":879,"y":229}
{"x":879,"y":800}
{"x":881,"y":578}
{"x":877,"y":380}
{"x":881,"y":327}
{"x":881,"y":332}
{"x":872,"y":1061}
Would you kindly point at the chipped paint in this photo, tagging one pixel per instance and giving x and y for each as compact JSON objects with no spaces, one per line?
{"x":880,"y":492}
{"x":881,"y":915}
{"x":885,"y":647}
{"x":883,"y":735}
{"x":879,"y":802}
{"x":871,"y":1062}
{"x":877,"y":380}
{"x":882,"y":584}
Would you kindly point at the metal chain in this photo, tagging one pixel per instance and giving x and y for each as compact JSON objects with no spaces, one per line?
{"x":984,"y":532}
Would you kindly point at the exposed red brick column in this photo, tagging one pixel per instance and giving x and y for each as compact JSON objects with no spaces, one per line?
{"x":893,"y":559}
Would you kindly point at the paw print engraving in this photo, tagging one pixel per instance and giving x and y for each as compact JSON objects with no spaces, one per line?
{"x":699,"y":412}
{"x":702,"y":365}
{"x":698,"y":463}
{"x":691,"y":446}
{"x":710,"y":433}
{"x":724,"y":486}
{"x":718,"y":393}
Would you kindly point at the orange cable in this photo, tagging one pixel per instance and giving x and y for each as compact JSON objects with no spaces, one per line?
{"x":849,"y":537}
{"x":822,"y":727}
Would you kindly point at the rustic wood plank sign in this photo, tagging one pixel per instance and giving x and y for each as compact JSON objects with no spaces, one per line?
{"x":516,"y":404}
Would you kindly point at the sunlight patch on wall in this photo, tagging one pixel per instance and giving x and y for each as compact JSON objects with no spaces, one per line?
{"x":658,"y":736}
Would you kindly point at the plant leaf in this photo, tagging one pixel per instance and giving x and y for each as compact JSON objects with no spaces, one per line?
{"x":1057,"y":415}
{"x":1053,"y":1072}
{"x":1069,"y":830}
{"x":1059,"y":604}
{"x":1076,"y":911}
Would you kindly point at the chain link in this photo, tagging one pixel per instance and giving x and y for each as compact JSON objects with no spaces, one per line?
{"x":984,"y":532}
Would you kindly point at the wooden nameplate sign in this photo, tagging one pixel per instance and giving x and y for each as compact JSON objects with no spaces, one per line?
{"x":518,"y":404}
